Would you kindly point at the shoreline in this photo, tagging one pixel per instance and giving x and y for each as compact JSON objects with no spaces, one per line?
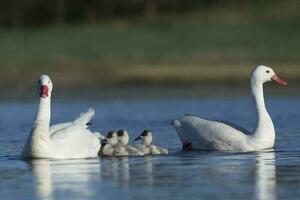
{"x":144,"y":93}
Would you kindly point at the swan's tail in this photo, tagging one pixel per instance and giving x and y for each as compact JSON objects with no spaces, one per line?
{"x":85,"y":117}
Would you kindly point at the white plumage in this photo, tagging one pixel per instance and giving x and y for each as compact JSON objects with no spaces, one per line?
{"x":203,"y":134}
{"x":60,"y":141}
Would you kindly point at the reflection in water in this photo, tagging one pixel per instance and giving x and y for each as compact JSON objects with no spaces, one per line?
{"x":266,"y":176}
{"x":42,"y":173}
{"x":70,"y":177}
{"x":124,"y":173}
{"x":148,"y":166}
{"x":85,"y":179}
{"x":116,"y":169}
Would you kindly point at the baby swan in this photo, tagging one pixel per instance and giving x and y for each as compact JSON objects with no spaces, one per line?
{"x":108,"y":145}
{"x":146,"y":147}
{"x":122,"y":148}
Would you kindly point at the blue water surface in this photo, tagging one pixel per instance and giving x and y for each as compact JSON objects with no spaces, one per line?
{"x":270,"y":174}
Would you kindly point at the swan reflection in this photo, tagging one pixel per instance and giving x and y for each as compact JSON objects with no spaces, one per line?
{"x":148,"y":169}
{"x":266,"y":176}
{"x":69,"y":177}
{"x":42,"y":173}
{"x":124,"y":171}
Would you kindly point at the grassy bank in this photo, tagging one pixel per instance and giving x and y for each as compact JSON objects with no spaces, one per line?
{"x":170,"y":52}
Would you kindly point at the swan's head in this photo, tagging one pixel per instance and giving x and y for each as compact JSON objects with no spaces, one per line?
{"x":44,"y":86}
{"x":146,"y":137}
{"x":123,"y":137}
{"x":263,"y":74}
{"x":111,"y":138}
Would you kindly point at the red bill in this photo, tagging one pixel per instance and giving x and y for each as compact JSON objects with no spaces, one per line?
{"x":278,"y":80}
{"x":44,"y":91}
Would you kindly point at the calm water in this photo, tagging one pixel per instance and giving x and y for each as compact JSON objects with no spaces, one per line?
{"x":180,"y":175}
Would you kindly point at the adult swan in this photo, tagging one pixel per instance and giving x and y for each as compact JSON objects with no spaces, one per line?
{"x":60,"y":141}
{"x":202,"y":134}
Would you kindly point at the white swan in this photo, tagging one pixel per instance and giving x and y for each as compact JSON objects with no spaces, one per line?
{"x":202,"y":134}
{"x":61,"y":141}
{"x":146,"y":147}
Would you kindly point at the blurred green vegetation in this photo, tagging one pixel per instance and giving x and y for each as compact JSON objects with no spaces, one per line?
{"x":219,"y":45}
{"x":36,"y":12}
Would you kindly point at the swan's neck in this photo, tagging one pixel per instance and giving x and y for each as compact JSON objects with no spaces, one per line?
{"x":44,"y":113}
{"x":40,"y":129}
{"x":38,"y":142}
{"x":265,"y":129}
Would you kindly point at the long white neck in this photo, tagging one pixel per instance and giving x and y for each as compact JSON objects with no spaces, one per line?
{"x":43,"y":115}
{"x":38,"y":142}
{"x":264,"y":131}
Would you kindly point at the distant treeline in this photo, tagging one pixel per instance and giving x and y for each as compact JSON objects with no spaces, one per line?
{"x":39,"y":12}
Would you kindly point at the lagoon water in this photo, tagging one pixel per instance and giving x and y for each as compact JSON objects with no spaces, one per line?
{"x":270,"y":174}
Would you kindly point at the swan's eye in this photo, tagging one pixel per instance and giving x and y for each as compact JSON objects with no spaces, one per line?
{"x":49,"y":82}
{"x":39,"y":81}
{"x":268,"y":71}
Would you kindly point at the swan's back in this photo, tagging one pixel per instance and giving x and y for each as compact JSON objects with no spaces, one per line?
{"x":210,"y":135}
{"x":82,"y":120}
{"x":75,"y":141}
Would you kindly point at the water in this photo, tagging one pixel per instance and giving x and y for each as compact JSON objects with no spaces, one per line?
{"x":271,"y":174}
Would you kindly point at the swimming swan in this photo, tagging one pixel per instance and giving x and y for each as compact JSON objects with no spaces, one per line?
{"x":203,"y":134}
{"x":61,"y":141}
